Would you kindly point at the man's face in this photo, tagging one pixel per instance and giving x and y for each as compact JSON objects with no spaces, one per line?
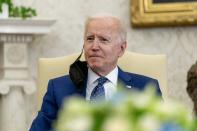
{"x":102,"y":45}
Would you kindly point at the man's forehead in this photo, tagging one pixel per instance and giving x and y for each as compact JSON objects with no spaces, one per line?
{"x":101,"y":27}
{"x":100,"y":32}
{"x":101,"y":22}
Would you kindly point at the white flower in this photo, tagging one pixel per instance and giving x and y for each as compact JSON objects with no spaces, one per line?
{"x":171,"y":110}
{"x":149,"y":122}
{"x":116,"y":124}
{"x":81,"y":123}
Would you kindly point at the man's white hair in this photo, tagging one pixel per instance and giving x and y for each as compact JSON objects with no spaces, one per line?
{"x":121,"y":27}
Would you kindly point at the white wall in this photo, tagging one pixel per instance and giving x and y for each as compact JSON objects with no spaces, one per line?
{"x":178,"y":43}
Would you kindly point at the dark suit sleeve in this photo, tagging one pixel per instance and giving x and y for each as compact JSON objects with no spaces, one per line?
{"x":153,"y":83}
{"x":48,"y":112}
{"x":157,"y":87}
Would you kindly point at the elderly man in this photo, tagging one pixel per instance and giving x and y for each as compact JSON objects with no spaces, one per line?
{"x":104,"y":43}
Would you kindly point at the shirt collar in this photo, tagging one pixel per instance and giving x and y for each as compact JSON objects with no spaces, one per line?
{"x":112,"y":76}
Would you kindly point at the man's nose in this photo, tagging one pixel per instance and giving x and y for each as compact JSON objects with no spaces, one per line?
{"x":95,"y":44}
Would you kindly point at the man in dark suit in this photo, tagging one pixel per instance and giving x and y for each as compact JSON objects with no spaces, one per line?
{"x":104,"y":43}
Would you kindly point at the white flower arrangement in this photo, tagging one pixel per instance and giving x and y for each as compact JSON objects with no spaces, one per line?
{"x":136,"y":111}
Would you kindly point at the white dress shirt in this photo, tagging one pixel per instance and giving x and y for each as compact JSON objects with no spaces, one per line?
{"x":109,"y":85}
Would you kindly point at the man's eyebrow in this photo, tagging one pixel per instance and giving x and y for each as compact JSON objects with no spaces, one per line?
{"x":100,"y":36}
{"x":90,"y":34}
{"x":105,"y":36}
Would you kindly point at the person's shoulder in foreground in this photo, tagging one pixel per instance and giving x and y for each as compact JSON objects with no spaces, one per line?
{"x":192,"y":85}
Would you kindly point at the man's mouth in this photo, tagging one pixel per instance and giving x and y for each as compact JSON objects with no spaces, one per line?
{"x":92,"y":56}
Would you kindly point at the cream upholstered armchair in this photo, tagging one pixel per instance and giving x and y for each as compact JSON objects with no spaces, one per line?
{"x":150,"y":65}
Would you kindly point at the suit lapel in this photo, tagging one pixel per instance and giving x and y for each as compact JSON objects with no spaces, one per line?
{"x":124,"y":80}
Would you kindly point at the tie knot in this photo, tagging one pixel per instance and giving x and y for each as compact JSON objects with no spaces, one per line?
{"x":101,"y":80}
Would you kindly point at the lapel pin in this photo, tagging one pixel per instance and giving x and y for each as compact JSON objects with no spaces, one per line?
{"x":128,"y":86}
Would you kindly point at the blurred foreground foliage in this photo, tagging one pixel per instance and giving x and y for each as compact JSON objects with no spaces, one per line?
{"x":135,"y":111}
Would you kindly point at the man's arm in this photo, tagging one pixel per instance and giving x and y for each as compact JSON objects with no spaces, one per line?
{"x":48,"y":112}
{"x":158,"y":90}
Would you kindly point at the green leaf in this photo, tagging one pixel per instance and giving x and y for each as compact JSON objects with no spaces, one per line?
{"x":18,"y":11}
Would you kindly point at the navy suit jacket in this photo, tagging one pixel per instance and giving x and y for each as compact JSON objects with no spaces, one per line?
{"x":62,"y":87}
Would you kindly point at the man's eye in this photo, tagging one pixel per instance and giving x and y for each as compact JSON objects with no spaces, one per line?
{"x":103,"y":40}
{"x":89,"y":38}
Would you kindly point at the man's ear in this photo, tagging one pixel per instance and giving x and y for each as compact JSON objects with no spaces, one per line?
{"x":123,"y":47}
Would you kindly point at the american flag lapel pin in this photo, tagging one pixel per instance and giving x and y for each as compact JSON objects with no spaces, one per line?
{"x":128,"y":86}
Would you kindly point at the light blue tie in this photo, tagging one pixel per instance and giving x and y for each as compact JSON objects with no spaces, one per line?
{"x":98,"y":92}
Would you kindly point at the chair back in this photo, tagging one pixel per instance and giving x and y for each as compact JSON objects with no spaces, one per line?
{"x":149,"y":65}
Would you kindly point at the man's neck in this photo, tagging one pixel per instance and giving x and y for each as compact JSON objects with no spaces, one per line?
{"x":112,"y":76}
{"x":103,"y":72}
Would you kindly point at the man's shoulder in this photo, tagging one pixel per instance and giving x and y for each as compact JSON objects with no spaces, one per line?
{"x":138,"y":81}
{"x":134,"y":76}
{"x":139,"y":76}
{"x":62,"y":78}
{"x":62,"y":82}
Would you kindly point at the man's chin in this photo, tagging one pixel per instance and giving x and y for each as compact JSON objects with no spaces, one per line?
{"x":95,"y":67}
{"x":94,"y":59}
